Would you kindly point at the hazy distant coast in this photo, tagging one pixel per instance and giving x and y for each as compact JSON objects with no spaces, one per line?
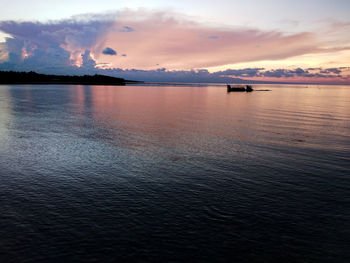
{"x":12,"y":77}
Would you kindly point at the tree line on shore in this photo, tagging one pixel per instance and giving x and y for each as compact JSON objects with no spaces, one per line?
{"x":13,"y":77}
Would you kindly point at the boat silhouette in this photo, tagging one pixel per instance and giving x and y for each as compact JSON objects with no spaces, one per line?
{"x":247,"y":88}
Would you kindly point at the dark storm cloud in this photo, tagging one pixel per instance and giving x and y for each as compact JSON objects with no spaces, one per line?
{"x":109,"y":51}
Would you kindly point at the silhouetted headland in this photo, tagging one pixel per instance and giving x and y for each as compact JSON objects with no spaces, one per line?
{"x":12,"y":77}
{"x":246,"y":88}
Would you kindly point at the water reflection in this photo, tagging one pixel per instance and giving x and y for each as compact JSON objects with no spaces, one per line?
{"x":5,"y":117}
{"x":120,"y":172}
{"x":184,"y":119}
{"x":165,"y":115}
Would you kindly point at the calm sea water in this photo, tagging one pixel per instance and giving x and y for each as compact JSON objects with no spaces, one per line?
{"x":174,"y":174}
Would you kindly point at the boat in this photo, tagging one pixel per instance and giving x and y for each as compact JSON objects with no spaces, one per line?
{"x":247,"y":88}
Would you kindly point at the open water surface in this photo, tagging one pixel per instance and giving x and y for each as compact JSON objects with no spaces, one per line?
{"x":174,"y":174}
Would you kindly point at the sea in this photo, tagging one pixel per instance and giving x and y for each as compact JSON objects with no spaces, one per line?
{"x":174,"y":173}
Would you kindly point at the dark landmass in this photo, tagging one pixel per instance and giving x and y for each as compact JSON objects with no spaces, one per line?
{"x":12,"y":77}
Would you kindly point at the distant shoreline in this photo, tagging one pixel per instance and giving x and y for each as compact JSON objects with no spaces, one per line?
{"x":237,"y":83}
{"x":33,"y":78}
{"x":23,"y":78}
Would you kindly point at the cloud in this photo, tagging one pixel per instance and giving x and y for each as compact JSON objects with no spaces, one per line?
{"x":172,"y":42}
{"x":31,"y":40}
{"x":127,"y":29}
{"x":88,"y":61}
{"x":299,"y":73}
{"x":227,"y":76}
{"x":332,"y":70}
{"x":247,"y":72}
{"x":76,"y":34}
{"x":213,"y":37}
{"x":183,"y":44}
{"x":109,"y":51}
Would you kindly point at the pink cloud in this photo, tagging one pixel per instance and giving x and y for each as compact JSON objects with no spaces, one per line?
{"x":160,"y":40}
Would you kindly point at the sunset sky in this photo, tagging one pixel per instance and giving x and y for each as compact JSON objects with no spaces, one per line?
{"x":290,"y":40}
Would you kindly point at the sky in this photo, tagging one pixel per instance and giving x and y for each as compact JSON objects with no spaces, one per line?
{"x":191,"y":41}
